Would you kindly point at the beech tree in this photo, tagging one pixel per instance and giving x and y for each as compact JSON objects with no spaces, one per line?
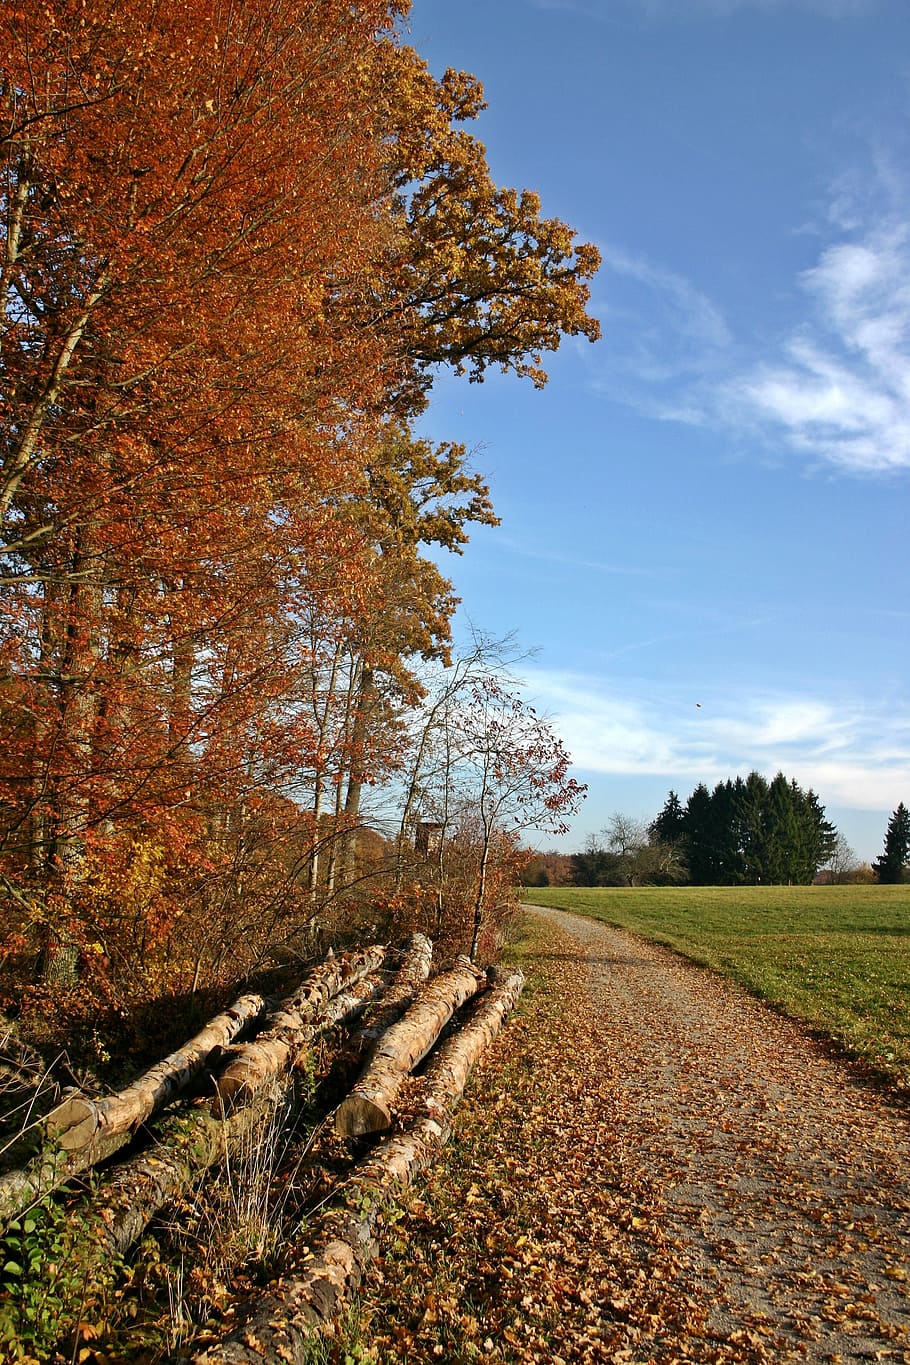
{"x":234,"y":243}
{"x":474,"y":276}
{"x":170,"y":403}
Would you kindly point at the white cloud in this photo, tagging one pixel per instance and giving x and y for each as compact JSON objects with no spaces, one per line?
{"x":841,"y":391}
{"x":853,"y":754}
{"x":692,"y":313}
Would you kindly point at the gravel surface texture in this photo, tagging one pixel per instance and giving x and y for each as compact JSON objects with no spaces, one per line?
{"x":784,"y":1177}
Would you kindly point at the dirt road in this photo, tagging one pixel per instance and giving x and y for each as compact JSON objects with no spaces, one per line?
{"x":656,"y":1168}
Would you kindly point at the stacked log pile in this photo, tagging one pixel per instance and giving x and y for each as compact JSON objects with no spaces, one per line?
{"x":391,"y":1019}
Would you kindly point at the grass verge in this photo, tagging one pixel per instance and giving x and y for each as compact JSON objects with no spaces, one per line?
{"x":836,"y":957}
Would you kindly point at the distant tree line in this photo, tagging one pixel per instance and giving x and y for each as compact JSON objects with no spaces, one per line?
{"x":744,"y":832}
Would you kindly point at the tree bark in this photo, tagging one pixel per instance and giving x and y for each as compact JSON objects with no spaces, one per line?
{"x":76,"y":1123}
{"x":414,"y":970}
{"x":21,"y":1188}
{"x":368,"y":1108}
{"x":195,"y":1141}
{"x":283,"y":1323}
{"x":291,"y":1028}
{"x":363,"y":707}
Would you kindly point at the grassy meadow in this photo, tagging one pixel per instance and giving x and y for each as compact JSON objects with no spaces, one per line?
{"x":837,"y":957}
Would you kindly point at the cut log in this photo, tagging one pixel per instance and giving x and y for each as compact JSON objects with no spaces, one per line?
{"x":282,"y":1324}
{"x":414,"y":970}
{"x":77,"y":1121}
{"x":141,"y":1188}
{"x":290,"y":1028}
{"x":22,"y":1188}
{"x":368,"y":1108}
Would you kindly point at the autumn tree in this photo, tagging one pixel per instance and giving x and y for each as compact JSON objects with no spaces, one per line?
{"x":474,"y":276}
{"x":514,"y":772}
{"x":234,"y":244}
{"x":177,"y":198}
{"x":842,"y":864}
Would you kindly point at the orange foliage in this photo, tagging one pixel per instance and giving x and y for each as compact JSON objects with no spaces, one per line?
{"x":226,"y":257}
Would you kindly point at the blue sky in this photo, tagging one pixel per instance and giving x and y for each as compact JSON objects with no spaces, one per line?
{"x":704,"y":515}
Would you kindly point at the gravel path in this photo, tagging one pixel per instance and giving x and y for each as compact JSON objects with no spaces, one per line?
{"x":781,"y":1181}
{"x":650,"y":1167}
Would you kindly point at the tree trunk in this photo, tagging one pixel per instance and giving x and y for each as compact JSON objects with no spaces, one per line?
{"x":76,"y":1122}
{"x":480,"y":897}
{"x":291,"y":1027}
{"x":282,"y":1325}
{"x":368,"y":1108}
{"x":141,"y":1188}
{"x":20,"y":1188}
{"x":190,"y":1143}
{"x":363,"y":707}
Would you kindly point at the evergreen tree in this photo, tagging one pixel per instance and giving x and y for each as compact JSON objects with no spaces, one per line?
{"x":725,"y":842}
{"x":699,"y":853}
{"x":891,"y":867}
{"x":818,"y":838}
{"x":670,"y":825}
{"x":783,"y":834}
{"x":750,"y":831}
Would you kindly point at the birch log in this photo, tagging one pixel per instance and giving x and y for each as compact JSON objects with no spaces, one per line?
{"x":21,"y":1188}
{"x":78,"y":1121}
{"x":414,"y":970}
{"x":291,"y":1027}
{"x":368,"y":1107}
{"x":139,"y":1189}
{"x":282,"y":1324}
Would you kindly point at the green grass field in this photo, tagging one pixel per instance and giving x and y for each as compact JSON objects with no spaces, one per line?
{"x":837,"y":957}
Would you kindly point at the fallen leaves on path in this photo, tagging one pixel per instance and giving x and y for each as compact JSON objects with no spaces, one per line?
{"x":651,"y":1167}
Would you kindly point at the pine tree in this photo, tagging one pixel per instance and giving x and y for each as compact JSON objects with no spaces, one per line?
{"x":891,"y":868}
{"x":750,"y":831}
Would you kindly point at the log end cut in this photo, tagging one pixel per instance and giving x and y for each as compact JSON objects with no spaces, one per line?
{"x":359,"y":1115}
{"x":73,"y":1123}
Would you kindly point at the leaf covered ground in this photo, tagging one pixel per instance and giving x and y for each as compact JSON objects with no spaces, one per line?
{"x":649,"y":1167}
{"x":837,"y":957}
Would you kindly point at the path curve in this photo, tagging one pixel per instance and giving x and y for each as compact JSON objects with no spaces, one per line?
{"x":781,"y":1178}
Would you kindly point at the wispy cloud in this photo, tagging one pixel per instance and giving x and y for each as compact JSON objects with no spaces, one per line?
{"x":608,"y":568}
{"x":837,"y":390}
{"x":852,"y":754}
{"x":661,"y":335}
{"x":841,"y":390}
{"x":606,"y":10}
